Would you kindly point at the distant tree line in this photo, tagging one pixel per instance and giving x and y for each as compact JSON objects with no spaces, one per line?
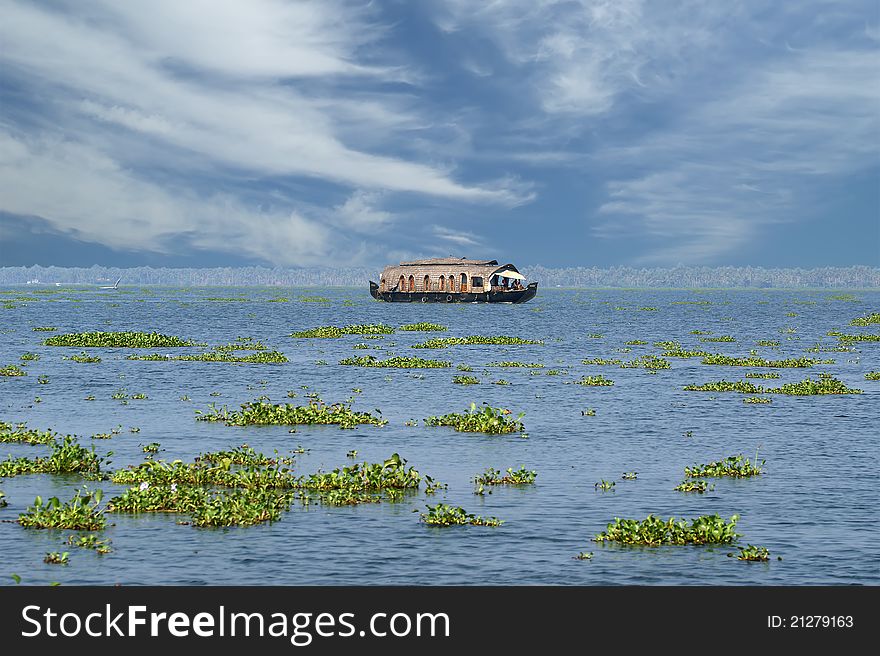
{"x":856,"y":277}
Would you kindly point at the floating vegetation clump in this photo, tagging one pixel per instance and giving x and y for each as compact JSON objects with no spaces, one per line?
{"x":12,"y":370}
{"x":757,"y":400}
{"x":767,"y":342}
{"x":653,"y":531}
{"x":89,"y":541}
{"x":242,"y":344}
{"x":367,"y":477}
{"x":21,"y":434}
{"x":700,"y":487}
{"x":317,"y":412}
{"x":332,"y":332}
{"x":873,"y":318}
{"x":464,"y":367}
{"x":423,"y":327}
{"x":81,"y":513}
{"x":241,"y":508}
{"x":872,"y":375}
{"x":732,"y":466}
{"x":860,"y":337}
{"x":605,"y":486}
{"x":44,"y":329}
{"x":117,"y":340}
{"x":521,"y":476}
{"x":753,"y":553}
{"x":602,"y":361}
{"x":595,"y":381}
{"x":762,"y":374}
{"x":465,"y":380}
{"x":244,"y":455}
{"x":260,"y":357}
{"x":55,"y":558}
{"x":646,"y":362}
{"x":809,"y":387}
{"x":83,"y":358}
{"x":726,"y":386}
{"x":397,"y":362}
{"x":29,"y":357}
{"x":152,"y":498}
{"x":314,"y":299}
{"x":67,"y":456}
{"x":668,"y":345}
{"x":484,"y":420}
{"x":719,"y":338}
{"x":530,"y":365}
{"x":443,"y":342}
{"x":635,"y":342}
{"x":683,"y":353}
{"x":445,"y":515}
{"x":719,"y":359}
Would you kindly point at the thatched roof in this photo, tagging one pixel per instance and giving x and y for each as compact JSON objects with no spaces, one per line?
{"x":444,"y":261}
{"x":443,"y":266}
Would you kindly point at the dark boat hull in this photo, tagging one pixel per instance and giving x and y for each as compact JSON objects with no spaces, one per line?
{"x":510,"y":296}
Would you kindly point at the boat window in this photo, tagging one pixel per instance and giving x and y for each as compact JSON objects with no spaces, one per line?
{"x":476,"y":281}
{"x":464,"y":282}
{"x":412,"y":284}
{"x":427,"y":284}
{"x":382,"y":288}
{"x":451,"y":282}
{"x":442,"y":284}
{"x":401,"y":284}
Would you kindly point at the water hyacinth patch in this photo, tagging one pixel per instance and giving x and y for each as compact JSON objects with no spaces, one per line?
{"x":89,"y":541}
{"x":83,"y":358}
{"x":465,"y":380}
{"x":653,"y":531}
{"x":21,"y":434}
{"x":154,"y":498}
{"x":484,"y":420}
{"x":316,"y":412}
{"x":719,"y":359}
{"x":759,"y":400}
{"x":767,"y":342}
{"x":55,"y":558}
{"x":719,"y":338}
{"x":445,"y":515}
{"x":29,"y":357}
{"x":872,"y":375}
{"x":241,"y":508}
{"x":873,"y":318}
{"x":366,"y":477}
{"x":732,"y":466}
{"x":521,"y":476}
{"x":753,"y":553}
{"x":683,"y":353}
{"x":700,"y":487}
{"x":242,"y":344}
{"x":444,"y":342}
{"x":595,"y":381}
{"x":726,"y":386}
{"x":260,"y":357}
{"x":12,"y":370}
{"x":808,"y":387}
{"x":44,"y":329}
{"x":422,"y":327}
{"x":604,"y":485}
{"x":117,"y":340}
{"x":332,"y":332}
{"x":861,"y":337}
{"x":81,"y":513}
{"x":636,"y":342}
{"x":396,"y":362}
{"x":762,"y":374}
{"x":244,"y":455}
{"x":67,"y":457}
{"x":529,"y":365}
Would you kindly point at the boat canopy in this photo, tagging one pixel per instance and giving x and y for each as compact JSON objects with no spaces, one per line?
{"x":509,"y":273}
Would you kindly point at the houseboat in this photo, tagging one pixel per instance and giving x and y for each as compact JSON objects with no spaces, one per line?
{"x":452,"y":280}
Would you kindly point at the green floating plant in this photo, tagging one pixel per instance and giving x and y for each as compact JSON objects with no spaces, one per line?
{"x":332,"y":332}
{"x":445,"y":515}
{"x":653,"y":531}
{"x":12,"y":370}
{"x":521,"y":476}
{"x":422,"y":327}
{"x":444,"y":342}
{"x":873,"y":318}
{"x":260,"y":357}
{"x":595,"y":381}
{"x":719,"y":359}
{"x":465,"y":380}
{"x":317,"y":412}
{"x":484,"y":420}
{"x":753,"y":553}
{"x":732,"y":466}
{"x":397,"y":362}
{"x":117,"y":340}
{"x":699,"y":487}
{"x":81,"y":513}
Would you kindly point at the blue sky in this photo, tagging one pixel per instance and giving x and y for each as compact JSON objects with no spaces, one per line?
{"x":572,"y":133}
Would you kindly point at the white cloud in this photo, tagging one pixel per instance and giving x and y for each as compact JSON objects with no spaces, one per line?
{"x":733,"y":166}
{"x":247,"y":89}
{"x":457,"y":237}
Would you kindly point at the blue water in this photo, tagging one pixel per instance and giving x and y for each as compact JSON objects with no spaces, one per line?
{"x":815,"y":505}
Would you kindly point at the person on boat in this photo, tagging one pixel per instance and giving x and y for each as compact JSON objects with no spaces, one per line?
{"x":517,"y":285}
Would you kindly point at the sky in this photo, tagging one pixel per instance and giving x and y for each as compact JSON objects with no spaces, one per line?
{"x":343,"y":133}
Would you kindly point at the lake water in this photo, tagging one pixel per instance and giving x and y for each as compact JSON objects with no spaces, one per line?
{"x":815,"y":504}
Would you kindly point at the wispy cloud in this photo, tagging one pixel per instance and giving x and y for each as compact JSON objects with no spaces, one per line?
{"x":735,"y":165}
{"x":456,"y":237}
{"x":252,"y":89}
